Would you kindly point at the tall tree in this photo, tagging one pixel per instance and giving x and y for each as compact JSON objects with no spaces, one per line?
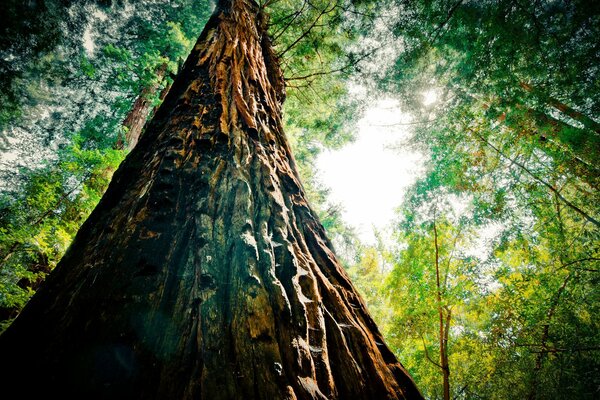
{"x":126,"y":70}
{"x":203,"y":272}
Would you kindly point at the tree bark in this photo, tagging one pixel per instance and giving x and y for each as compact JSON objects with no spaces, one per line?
{"x":141,"y":108}
{"x":444,"y":323}
{"x":203,"y":273}
{"x":134,"y":122}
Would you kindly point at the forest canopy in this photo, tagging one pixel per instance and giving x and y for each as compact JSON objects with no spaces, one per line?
{"x":484,"y":285}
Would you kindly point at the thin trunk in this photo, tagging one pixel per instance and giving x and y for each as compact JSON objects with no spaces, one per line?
{"x":444,"y":323}
{"x":444,"y":358}
{"x":586,"y":121}
{"x":203,"y":273}
{"x":141,"y":108}
{"x":539,"y":359}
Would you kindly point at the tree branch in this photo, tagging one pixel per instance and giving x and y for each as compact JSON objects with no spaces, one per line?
{"x":538,"y":179}
{"x":332,"y":71}
{"x":306,"y":32}
{"x":427,"y":354}
{"x":563,"y":108}
{"x":293,"y":17}
{"x":451,"y":12}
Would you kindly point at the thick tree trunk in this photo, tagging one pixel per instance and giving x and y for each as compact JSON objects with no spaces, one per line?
{"x":203,"y":273}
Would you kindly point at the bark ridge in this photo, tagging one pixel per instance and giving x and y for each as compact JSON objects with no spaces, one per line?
{"x":204,"y":273}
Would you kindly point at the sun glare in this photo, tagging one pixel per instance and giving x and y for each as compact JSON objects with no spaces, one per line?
{"x":370,"y":176}
{"x":430,"y":97}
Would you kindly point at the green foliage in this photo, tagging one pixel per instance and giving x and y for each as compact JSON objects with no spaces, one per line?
{"x":49,"y":202}
{"x":506,"y":206}
{"x":28,"y":32}
{"x":522,"y":308}
{"x":512,"y":147}
{"x":39,"y":221}
{"x":312,"y":41}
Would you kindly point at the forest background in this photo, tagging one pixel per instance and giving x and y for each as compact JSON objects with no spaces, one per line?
{"x":485,"y":285}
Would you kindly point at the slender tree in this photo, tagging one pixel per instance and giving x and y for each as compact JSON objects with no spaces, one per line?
{"x":133,"y":123}
{"x":445,"y":317}
{"x":203,"y":272}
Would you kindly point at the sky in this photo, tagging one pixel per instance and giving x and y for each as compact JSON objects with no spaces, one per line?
{"x":369,"y":177}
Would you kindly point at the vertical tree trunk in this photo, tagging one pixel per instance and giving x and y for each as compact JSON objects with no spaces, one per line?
{"x":444,"y":355}
{"x":203,"y":273}
{"x":444,"y":323}
{"x":586,"y":121}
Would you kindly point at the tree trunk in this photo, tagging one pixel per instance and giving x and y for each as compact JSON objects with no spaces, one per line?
{"x":134,"y":122}
{"x":444,"y":356}
{"x":444,"y":323}
{"x":586,"y":121}
{"x":203,"y":273}
{"x":136,"y":118}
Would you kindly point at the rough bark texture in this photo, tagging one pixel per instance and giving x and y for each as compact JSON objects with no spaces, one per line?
{"x":203,"y":273}
{"x":136,"y":118}
{"x":134,"y":122}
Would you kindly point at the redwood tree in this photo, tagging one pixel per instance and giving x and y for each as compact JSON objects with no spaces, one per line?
{"x":203,"y":272}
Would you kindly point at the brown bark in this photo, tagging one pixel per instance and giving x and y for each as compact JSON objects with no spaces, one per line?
{"x":444,"y":322}
{"x":136,"y":118}
{"x":444,"y":356}
{"x":203,"y":273}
